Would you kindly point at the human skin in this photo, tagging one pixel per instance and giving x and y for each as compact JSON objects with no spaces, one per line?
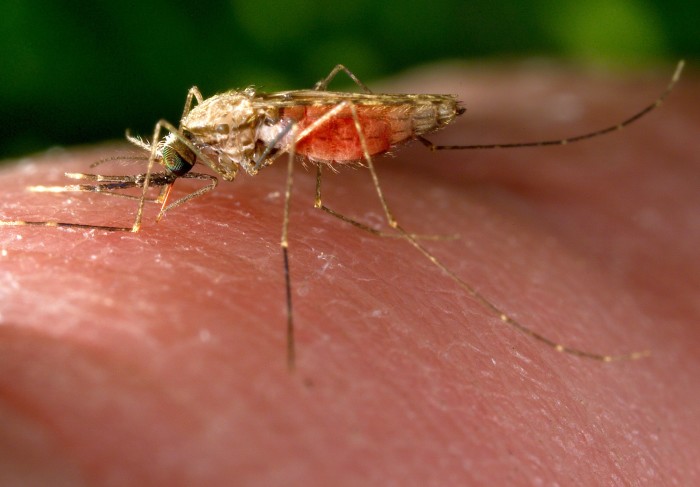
{"x":158,"y":357}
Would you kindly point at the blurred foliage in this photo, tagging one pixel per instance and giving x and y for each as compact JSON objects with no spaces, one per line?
{"x":81,"y":71}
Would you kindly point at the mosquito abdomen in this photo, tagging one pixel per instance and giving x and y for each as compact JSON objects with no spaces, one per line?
{"x":383,"y":126}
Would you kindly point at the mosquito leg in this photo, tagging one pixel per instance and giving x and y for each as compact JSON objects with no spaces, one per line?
{"x":213,"y":182}
{"x":137,"y":141}
{"x":191,"y":93}
{"x":505,"y":318}
{"x":323,"y":84}
{"x":22,"y":223}
{"x":318,"y":203}
{"x":109,"y":228}
{"x":151,"y":161}
{"x":589,"y":135}
{"x":284,"y":243}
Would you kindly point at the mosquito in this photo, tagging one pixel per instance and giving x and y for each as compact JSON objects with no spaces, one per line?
{"x":249,"y":130}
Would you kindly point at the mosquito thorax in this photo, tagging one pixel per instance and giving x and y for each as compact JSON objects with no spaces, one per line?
{"x":225,"y":125}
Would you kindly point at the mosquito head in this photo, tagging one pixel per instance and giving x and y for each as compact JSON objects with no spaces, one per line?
{"x":178,"y":159}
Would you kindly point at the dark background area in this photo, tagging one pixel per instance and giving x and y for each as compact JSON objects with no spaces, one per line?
{"x":75,"y":72}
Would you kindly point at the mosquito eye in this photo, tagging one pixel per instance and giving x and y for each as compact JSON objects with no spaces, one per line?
{"x":174,"y":162}
{"x":222,"y":128}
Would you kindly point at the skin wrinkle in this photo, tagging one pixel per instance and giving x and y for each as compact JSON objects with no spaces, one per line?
{"x":433,"y":389}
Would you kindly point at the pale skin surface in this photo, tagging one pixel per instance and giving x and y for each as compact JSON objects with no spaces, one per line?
{"x":158,"y":358}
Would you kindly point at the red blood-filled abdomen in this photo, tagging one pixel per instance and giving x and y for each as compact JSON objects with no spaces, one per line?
{"x":337,"y":140}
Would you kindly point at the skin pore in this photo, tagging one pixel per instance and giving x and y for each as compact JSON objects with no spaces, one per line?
{"x":158,"y":358}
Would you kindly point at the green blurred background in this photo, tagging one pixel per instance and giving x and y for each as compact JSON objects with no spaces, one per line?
{"x":75,"y":72}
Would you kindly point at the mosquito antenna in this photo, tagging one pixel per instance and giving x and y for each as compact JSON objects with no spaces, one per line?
{"x":99,"y":162}
{"x":577,"y":138}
